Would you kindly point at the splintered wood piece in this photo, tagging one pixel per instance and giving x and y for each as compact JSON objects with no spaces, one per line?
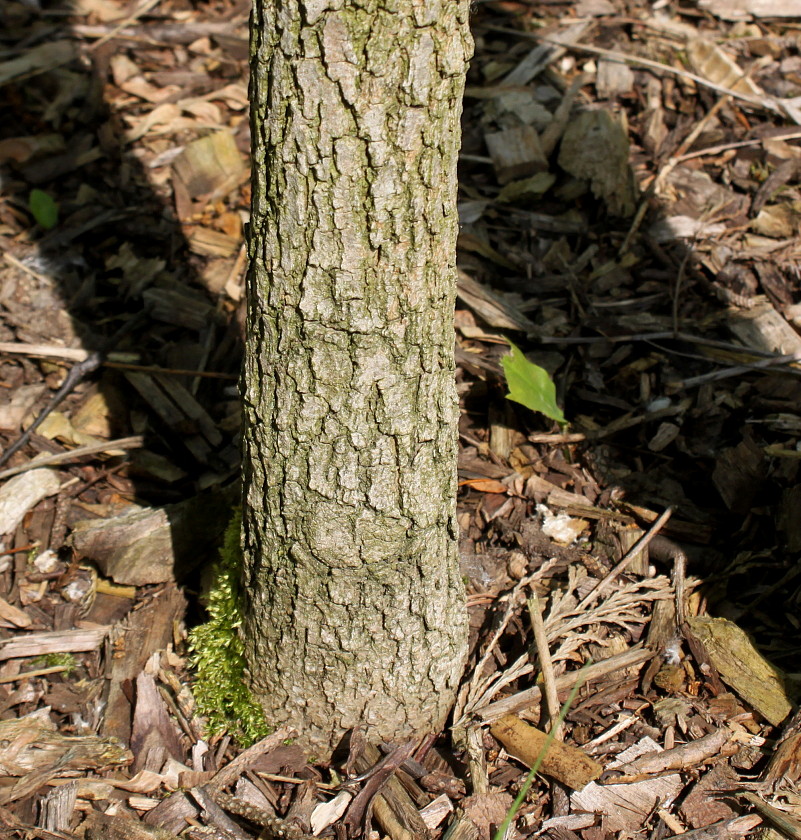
{"x":57,"y":806}
{"x":739,"y":474}
{"x":37,"y":60}
{"x":516,"y":153}
{"x":628,"y":537}
{"x":134,"y":548}
{"x":153,"y":732}
{"x":717,"y":66}
{"x":172,"y":813}
{"x":232,"y":771}
{"x":785,"y":763}
{"x":11,"y":616}
{"x":677,"y":529}
{"x":732,"y":653}
{"x":614,"y":79}
{"x":726,"y":830}
{"x":58,"y":641}
{"x":194,"y":411}
{"x":490,"y":306}
{"x":788,"y":825}
{"x":213,"y":243}
{"x":23,"y":492}
{"x":537,"y":59}
{"x":21,"y":403}
{"x":661,"y":632}
{"x":737,"y":10}
{"x":567,"y":764}
{"x":763,"y":328}
{"x":158,"y":401}
{"x":393,"y":808}
{"x":541,"y":489}
{"x":555,"y":129}
{"x":210,"y":165}
{"x":35,"y":780}
{"x":462,"y":828}
{"x":174,"y":306}
{"x":620,"y":662}
{"x":145,"y":631}
{"x":155,"y":545}
{"x":707,"y":803}
{"x":31,"y":743}
{"x":378,"y":775}
{"x":327,"y":813}
{"x":303,"y":802}
{"x":436,"y":811}
{"x":625,"y":806}
{"x":683,"y":757}
{"x":595,"y":148}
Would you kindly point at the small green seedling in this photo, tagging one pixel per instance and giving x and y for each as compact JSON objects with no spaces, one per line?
{"x":43,"y":208}
{"x":530,"y":385}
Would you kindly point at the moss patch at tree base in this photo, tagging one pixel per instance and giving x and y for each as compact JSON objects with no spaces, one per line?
{"x":216,"y":652}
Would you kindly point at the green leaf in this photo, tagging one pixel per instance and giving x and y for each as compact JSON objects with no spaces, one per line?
{"x":44,"y":209}
{"x":530,"y":385}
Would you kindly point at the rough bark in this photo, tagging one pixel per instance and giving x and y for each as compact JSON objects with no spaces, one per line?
{"x":354,"y":605}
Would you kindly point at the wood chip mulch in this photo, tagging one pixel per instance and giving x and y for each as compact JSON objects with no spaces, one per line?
{"x":630,"y":214}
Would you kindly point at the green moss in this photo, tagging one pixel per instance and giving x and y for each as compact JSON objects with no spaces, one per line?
{"x":216,"y":652}
{"x":57,"y":660}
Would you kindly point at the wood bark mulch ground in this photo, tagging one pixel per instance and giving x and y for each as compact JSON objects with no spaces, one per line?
{"x":630,"y":211}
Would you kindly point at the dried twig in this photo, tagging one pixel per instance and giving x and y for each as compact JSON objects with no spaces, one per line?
{"x":232,"y":771}
{"x":624,"y":561}
{"x":473,"y":690}
{"x":769,"y":103}
{"x":546,"y":666}
{"x":78,"y":372}
{"x":143,"y":9}
{"x":632,"y":658}
{"x":737,"y":144}
{"x":133,"y":442}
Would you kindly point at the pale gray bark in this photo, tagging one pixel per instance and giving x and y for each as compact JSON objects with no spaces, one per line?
{"x":355,"y":611}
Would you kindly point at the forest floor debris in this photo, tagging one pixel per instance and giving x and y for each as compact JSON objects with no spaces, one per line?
{"x":630,"y":212}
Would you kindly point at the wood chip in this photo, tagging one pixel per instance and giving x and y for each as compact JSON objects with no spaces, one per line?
{"x":63,"y":641}
{"x":22,"y":493}
{"x":625,"y":806}
{"x":742,"y":667}
{"x":210,"y":165}
{"x":516,"y":153}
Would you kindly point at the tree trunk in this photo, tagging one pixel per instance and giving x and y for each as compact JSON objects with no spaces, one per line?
{"x":354,"y":608}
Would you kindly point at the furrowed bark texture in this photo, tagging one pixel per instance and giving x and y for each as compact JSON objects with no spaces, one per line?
{"x":354,"y":605}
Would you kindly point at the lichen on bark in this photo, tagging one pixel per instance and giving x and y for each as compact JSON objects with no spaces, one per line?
{"x":354,"y":605}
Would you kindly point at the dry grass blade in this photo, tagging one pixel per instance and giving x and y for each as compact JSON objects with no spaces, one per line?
{"x":767,"y":102}
{"x":527,"y":698}
{"x":111,"y":447}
